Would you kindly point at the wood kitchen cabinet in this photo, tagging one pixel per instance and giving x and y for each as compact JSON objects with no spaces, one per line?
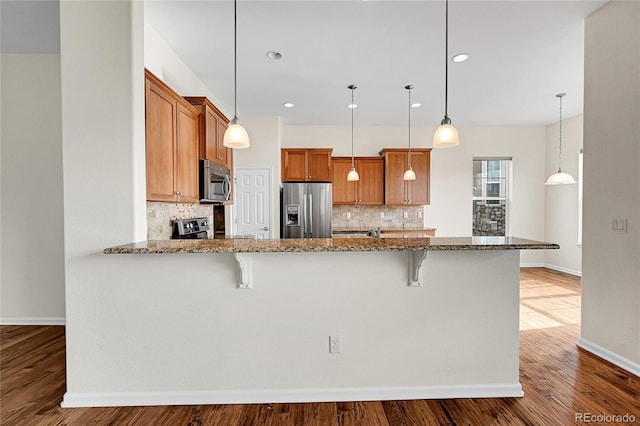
{"x":396,"y":189}
{"x":172,"y":144}
{"x":306,"y":164}
{"x":212,"y":124}
{"x":368,"y":190}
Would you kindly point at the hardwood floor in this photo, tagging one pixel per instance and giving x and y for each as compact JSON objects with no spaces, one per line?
{"x":559,"y":381}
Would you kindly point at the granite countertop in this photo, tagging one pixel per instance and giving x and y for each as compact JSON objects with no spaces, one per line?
{"x":330,"y":245}
{"x":356,"y":230}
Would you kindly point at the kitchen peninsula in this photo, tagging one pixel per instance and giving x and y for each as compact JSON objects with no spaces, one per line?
{"x":187,"y":338}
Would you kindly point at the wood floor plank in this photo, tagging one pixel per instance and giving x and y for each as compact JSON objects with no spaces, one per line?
{"x":558,"y":379}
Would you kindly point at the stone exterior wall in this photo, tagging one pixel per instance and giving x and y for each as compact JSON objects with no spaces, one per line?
{"x":489,"y":219}
{"x":368,"y":217}
{"x":160,"y":217}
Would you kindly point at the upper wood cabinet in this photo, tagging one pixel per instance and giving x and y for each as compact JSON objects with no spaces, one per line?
{"x":172,"y":146}
{"x":306,"y":165}
{"x":213,"y":124}
{"x":368,"y":190}
{"x":396,"y":189}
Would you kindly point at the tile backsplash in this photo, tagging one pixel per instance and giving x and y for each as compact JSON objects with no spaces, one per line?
{"x":367,"y":217}
{"x":160,"y":217}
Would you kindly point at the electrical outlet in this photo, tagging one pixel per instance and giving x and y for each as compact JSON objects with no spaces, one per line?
{"x":381,"y":215}
{"x":619,"y":225}
{"x":335,"y":344}
{"x":348,"y":215}
{"x":419,"y":214}
{"x":405,"y":215}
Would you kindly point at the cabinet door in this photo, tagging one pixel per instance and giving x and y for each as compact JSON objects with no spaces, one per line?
{"x":294,"y":165}
{"x":223,"y":152}
{"x":394,"y":184}
{"x":319,"y":165}
{"x":371,"y":184}
{"x":344,"y":192}
{"x":418,"y":190}
{"x":160,"y":143}
{"x":211,"y":135}
{"x":187,"y":147}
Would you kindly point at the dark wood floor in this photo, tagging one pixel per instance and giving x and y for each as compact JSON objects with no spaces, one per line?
{"x":559,"y":380}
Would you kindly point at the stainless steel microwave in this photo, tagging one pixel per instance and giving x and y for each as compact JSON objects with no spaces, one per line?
{"x":215,"y":182}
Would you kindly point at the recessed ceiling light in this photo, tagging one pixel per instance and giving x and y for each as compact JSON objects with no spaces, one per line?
{"x":460,"y":57}
{"x":416,"y":105}
{"x":272,"y":54}
{"x":352,"y":106}
{"x":287,"y":105}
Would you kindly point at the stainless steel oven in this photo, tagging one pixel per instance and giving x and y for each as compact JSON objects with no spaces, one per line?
{"x":215,"y":182}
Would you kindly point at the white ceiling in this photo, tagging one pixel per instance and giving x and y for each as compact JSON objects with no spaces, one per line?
{"x":521,"y":54}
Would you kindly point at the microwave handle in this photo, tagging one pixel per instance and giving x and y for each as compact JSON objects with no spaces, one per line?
{"x":226,"y":188}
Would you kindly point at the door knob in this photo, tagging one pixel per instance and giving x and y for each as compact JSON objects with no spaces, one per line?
{"x":265,"y":229}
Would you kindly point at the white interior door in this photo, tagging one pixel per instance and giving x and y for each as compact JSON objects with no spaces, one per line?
{"x":253,"y":202}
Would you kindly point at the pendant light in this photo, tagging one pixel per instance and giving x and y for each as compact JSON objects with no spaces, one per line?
{"x":446,"y":135}
{"x":353,"y":175}
{"x":235,"y":136}
{"x":409,"y":174}
{"x":560,"y":178}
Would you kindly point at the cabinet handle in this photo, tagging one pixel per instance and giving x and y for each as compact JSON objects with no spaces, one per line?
{"x":178,"y":193}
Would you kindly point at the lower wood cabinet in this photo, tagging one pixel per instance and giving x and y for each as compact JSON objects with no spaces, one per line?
{"x":368,"y":190}
{"x":171,"y":144}
{"x":412,"y":192}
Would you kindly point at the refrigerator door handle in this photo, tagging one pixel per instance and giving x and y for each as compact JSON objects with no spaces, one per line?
{"x":311,"y":215}
{"x":304,"y":215}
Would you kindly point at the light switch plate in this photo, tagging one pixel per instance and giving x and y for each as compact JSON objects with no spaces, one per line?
{"x":619,"y":225}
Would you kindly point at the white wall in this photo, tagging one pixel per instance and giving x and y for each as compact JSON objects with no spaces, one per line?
{"x":103,"y":156}
{"x":32,"y":274}
{"x":451,"y":170}
{"x":611,"y":271}
{"x":162,"y":61}
{"x":264,"y":133}
{"x":561,"y":212}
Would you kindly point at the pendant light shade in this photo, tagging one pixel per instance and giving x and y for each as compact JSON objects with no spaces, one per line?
{"x":235,"y":136}
{"x":560,"y":178}
{"x":353,"y":175}
{"x":446,"y":135}
{"x":409,"y":174}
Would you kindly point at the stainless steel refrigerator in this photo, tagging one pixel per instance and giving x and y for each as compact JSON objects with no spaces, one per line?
{"x":306,"y":210}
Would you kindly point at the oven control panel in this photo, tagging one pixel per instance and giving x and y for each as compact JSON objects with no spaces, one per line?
{"x":185,"y":227}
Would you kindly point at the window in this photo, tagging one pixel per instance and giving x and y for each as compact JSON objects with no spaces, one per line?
{"x":490,"y":196}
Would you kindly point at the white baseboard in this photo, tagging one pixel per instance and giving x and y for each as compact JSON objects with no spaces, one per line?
{"x":565,"y":270}
{"x":532,"y":265}
{"x":613,"y":358}
{"x":32,"y":321}
{"x":123,"y":399}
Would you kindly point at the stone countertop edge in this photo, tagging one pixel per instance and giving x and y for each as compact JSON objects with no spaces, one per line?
{"x":330,"y":245}
{"x":391,"y":230}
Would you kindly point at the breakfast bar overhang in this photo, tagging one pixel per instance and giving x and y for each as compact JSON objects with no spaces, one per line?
{"x":418,"y":318}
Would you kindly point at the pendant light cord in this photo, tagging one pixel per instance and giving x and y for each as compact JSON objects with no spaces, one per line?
{"x":446,"y":59}
{"x":352,"y":108}
{"x":235,"y":59}
{"x":560,"y":147}
{"x":409,"y":87}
